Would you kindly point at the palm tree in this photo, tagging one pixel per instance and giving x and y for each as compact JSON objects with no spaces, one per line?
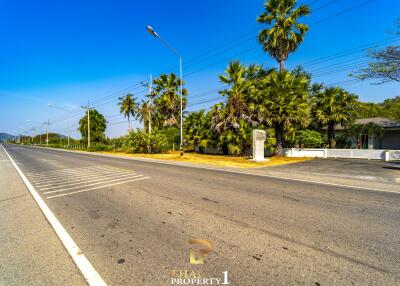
{"x":332,"y":106}
{"x":128,"y":107}
{"x":144,"y":112}
{"x":286,"y":103}
{"x":168,"y":98}
{"x":284,"y":34}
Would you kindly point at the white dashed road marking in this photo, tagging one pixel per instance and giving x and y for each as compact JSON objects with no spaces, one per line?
{"x":65,"y":182}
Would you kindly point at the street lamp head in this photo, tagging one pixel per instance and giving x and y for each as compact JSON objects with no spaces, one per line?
{"x":151,"y":31}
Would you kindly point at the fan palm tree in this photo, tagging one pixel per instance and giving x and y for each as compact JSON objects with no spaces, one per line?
{"x":332,"y":106}
{"x":286,"y":103}
{"x":128,"y":107}
{"x":242,"y":101}
{"x":168,"y":98}
{"x":284,"y":33}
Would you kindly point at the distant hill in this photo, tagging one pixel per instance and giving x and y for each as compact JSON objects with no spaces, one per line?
{"x":5,"y":136}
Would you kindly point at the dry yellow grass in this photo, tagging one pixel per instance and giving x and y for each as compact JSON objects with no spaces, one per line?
{"x":218,"y":160}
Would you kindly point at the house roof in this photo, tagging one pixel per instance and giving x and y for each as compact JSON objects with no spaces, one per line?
{"x":380,"y":121}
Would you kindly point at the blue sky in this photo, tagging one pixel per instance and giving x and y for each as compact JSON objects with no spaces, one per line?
{"x":68,"y":52}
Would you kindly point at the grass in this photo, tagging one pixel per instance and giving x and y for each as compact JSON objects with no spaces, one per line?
{"x":218,"y":160}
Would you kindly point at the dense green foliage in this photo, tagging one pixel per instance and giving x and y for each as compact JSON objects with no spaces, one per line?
{"x":98,"y":125}
{"x":389,"y":108}
{"x":332,"y":106}
{"x":138,"y":141}
{"x":310,"y":139}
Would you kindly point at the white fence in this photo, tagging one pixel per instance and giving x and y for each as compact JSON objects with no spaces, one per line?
{"x":387,"y":155}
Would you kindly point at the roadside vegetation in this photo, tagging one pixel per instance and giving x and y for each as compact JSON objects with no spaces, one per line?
{"x":294,"y":110}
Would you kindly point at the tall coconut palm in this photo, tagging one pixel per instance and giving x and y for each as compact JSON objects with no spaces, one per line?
{"x":284,"y":33}
{"x":286,"y":103}
{"x":168,"y":98}
{"x":128,"y":107}
{"x":332,"y":106}
{"x":144,"y":112}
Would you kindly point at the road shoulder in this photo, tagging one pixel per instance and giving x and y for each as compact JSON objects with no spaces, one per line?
{"x":31,"y":253}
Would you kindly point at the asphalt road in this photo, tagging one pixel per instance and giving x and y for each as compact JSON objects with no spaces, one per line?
{"x":133,"y":220}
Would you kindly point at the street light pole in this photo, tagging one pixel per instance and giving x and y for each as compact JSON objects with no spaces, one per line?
{"x":47,"y":132}
{"x":151,"y":31}
{"x":150,"y":100}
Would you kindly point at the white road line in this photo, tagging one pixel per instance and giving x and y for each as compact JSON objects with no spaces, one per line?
{"x":84,"y":183}
{"x":67,"y":170}
{"x":95,"y":188}
{"x":77,"y":175}
{"x":82,"y":186}
{"x":71,"y":172}
{"x":81,"y":178}
{"x":92,"y":277}
{"x":57,"y":172}
{"x":74,"y":175}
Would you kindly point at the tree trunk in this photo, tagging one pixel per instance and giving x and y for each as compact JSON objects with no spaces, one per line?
{"x":279,"y":140}
{"x":281,"y":66}
{"x":331,"y":135}
{"x":129,"y":124}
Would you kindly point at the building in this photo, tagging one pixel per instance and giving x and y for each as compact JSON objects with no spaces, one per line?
{"x":390,"y":139}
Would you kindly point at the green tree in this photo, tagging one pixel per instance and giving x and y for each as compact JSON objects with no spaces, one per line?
{"x":144,"y":111}
{"x":98,"y":125}
{"x":241,"y":113}
{"x":167,"y":102}
{"x":331,"y":106}
{"x":197,"y":126}
{"x":286,"y":103}
{"x":309,"y":139}
{"x":368,"y":109}
{"x":391,"y":107}
{"x":128,"y":107}
{"x":284,"y":33}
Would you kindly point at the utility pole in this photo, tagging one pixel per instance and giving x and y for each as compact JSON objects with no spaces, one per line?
{"x":88,"y":122}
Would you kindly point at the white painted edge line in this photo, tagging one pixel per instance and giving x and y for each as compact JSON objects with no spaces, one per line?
{"x":149,"y":160}
{"x":90,"y":274}
{"x":95,"y":188}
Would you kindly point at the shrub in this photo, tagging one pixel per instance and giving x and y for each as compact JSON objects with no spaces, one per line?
{"x":138,"y":141}
{"x":310,"y":139}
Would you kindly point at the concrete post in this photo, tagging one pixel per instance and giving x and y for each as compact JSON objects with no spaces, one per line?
{"x":259,"y":137}
{"x":387,"y":155}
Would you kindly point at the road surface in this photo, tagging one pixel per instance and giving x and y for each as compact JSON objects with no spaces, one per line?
{"x":133,"y":220}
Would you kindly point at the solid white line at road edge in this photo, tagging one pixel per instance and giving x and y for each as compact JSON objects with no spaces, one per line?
{"x":90,"y":274}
